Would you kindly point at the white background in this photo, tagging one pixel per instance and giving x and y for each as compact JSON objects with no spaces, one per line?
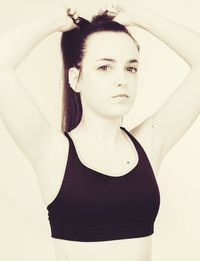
{"x":24,"y":228}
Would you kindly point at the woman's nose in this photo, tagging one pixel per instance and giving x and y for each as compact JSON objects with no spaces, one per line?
{"x":121,"y":79}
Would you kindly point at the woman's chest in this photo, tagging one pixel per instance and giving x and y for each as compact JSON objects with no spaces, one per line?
{"x":113,"y":163}
{"x":109,"y":162}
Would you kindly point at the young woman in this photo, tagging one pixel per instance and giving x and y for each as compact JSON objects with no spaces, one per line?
{"x":97,"y":180}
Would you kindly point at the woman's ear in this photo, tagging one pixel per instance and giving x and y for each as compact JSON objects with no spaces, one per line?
{"x":73,"y":75}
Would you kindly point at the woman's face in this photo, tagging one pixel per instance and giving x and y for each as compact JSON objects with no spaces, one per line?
{"x":109,"y":69}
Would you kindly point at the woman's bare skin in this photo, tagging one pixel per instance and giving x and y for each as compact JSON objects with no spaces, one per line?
{"x":47,"y":148}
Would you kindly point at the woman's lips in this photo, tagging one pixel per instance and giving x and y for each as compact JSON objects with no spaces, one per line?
{"x":120,"y":95}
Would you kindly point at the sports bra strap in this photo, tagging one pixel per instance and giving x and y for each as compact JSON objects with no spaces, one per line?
{"x":137,"y":144}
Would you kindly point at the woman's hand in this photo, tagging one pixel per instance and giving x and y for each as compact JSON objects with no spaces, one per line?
{"x":65,"y":12}
{"x":123,"y":11}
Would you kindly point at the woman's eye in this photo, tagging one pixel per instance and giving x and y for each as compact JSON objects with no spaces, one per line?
{"x":103,"y":68}
{"x":131,"y":69}
{"x":106,"y":67}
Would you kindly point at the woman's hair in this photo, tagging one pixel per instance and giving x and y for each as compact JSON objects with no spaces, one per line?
{"x":73,"y":45}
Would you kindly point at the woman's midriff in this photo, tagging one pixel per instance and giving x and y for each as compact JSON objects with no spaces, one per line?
{"x":134,"y":249}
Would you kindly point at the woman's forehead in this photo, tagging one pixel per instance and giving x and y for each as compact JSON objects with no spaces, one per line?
{"x":110,"y":45}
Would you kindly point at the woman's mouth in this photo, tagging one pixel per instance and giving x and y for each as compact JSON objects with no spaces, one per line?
{"x":120,"y":96}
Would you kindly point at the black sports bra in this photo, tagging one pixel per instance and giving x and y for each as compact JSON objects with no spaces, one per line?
{"x":92,"y":206}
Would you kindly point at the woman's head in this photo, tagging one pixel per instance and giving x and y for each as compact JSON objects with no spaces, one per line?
{"x":93,"y":79}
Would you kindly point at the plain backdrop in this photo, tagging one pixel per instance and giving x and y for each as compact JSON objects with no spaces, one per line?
{"x":24,"y":227}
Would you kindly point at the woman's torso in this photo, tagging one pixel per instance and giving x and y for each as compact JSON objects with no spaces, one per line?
{"x":132,"y":249}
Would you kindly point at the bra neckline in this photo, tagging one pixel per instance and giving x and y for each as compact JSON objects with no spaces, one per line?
{"x":96,"y":172}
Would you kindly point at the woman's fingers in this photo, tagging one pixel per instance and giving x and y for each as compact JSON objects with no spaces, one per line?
{"x":76,"y":15}
{"x":119,"y":9}
{"x":110,"y":8}
{"x":73,"y":13}
{"x":71,"y":9}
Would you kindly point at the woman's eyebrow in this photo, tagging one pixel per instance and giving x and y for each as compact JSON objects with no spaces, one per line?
{"x":112,"y":60}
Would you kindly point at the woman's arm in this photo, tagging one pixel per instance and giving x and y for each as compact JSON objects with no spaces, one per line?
{"x":182,"y":108}
{"x":19,"y":112}
{"x":16,"y":44}
{"x":181,"y":39}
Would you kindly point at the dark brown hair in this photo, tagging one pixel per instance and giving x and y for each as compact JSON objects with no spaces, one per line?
{"x":73,"y":44}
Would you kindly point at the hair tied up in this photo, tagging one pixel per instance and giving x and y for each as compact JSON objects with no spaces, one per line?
{"x":102,"y":18}
{"x":81,"y":22}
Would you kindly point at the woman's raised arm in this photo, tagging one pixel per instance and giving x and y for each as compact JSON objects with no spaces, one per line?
{"x":16,"y":44}
{"x":20,"y":114}
{"x":183,"y":107}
